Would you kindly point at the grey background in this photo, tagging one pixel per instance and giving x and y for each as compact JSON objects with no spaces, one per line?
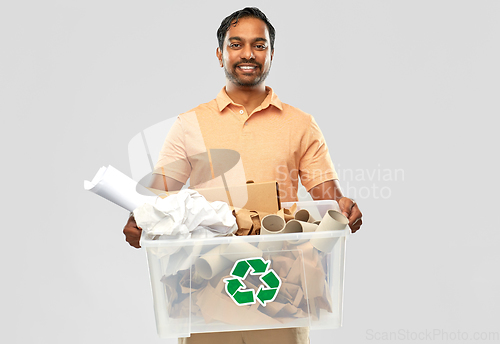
{"x":408,"y":86}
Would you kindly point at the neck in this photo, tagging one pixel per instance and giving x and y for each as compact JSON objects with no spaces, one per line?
{"x":248,"y":96}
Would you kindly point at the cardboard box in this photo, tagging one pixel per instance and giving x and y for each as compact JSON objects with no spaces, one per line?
{"x":253,"y":196}
{"x":259,"y":196}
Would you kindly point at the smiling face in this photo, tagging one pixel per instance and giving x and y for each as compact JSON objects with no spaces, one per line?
{"x":246,"y":55}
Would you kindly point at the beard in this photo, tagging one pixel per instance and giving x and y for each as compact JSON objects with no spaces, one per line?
{"x":257,"y":79}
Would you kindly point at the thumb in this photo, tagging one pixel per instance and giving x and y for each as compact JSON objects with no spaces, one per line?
{"x":345,"y":211}
{"x":345,"y":205}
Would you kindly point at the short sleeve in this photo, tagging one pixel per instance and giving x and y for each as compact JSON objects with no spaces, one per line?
{"x":173,"y":160}
{"x":315,"y":165}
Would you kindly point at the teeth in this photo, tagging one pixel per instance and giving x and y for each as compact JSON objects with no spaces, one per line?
{"x":246,"y":67}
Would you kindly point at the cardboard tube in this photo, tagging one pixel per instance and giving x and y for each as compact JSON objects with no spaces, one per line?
{"x":304,"y":215}
{"x":271,"y":245}
{"x":240,"y":250}
{"x":325,"y":244}
{"x":293,"y":226}
{"x":296,"y":226}
{"x":272,"y":224}
{"x":333,"y":220}
{"x":212,"y":262}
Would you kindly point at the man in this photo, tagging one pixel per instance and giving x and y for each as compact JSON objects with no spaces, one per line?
{"x":275,"y":141}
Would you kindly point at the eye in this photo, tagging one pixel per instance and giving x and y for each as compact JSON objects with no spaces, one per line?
{"x":234,"y":45}
{"x":260,"y":46}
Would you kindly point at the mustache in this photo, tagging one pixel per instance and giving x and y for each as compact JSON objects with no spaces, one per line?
{"x":251,"y":61}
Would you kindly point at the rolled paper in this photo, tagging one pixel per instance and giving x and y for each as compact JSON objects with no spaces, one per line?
{"x":120,"y":189}
{"x":333,"y":220}
{"x":212,"y":262}
{"x":304,"y":215}
{"x":240,"y":250}
{"x":272,"y":224}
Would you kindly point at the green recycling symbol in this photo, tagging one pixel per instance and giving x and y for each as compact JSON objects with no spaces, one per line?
{"x":266,"y":293}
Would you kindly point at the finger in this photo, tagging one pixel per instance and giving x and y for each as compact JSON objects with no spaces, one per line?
{"x":132,"y":224}
{"x":132,"y":235}
{"x":352,"y":205}
{"x":355,"y":215}
{"x":356,"y":225}
{"x":358,"y":220}
{"x":346,"y":206}
{"x":345,"y":210}
{"x":134,"y":242}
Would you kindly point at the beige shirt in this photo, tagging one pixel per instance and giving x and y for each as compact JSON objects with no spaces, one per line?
{"x":274,"y":142}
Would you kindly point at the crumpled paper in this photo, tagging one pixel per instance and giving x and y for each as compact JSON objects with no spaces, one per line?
{"x":185,"y":214}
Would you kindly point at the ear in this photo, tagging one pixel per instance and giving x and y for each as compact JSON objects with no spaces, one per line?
{"x":218,"y":53}
{"x":272,"y":54}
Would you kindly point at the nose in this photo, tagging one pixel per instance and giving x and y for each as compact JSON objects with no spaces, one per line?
{"x":247,"y":52}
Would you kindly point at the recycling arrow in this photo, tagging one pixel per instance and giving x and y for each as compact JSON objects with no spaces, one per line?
{"x":244,"y":297}
{"x":240,"y":269}
{"x":258,"y":265}
{"x":271,"y":279}
{"x":232,"y":286}
{"x":236,"y":289}
{"x":265,"y":295}
{"x":240,"y":297}
{"x":273,"y":284}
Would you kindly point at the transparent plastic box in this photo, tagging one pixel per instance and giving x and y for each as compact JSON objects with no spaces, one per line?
{"x":249,"y":282}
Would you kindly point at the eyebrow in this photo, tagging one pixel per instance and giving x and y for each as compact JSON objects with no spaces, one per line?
{"x":237,"y":38}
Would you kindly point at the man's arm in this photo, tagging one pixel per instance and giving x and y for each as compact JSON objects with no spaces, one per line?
{"x":331,"y":190}
{"x":161,"y":183}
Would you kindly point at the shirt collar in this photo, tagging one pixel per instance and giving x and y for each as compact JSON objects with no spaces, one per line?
{"x":223,"y":99}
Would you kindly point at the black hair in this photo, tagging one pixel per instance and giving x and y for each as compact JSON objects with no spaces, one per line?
{"x":252,"y":12}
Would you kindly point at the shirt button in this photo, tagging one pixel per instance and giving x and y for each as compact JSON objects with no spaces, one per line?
{"x":242,"y":112}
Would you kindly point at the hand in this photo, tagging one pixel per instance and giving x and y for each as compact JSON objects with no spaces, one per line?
{"x":132,"y":232}
{"x":350,"y":209}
